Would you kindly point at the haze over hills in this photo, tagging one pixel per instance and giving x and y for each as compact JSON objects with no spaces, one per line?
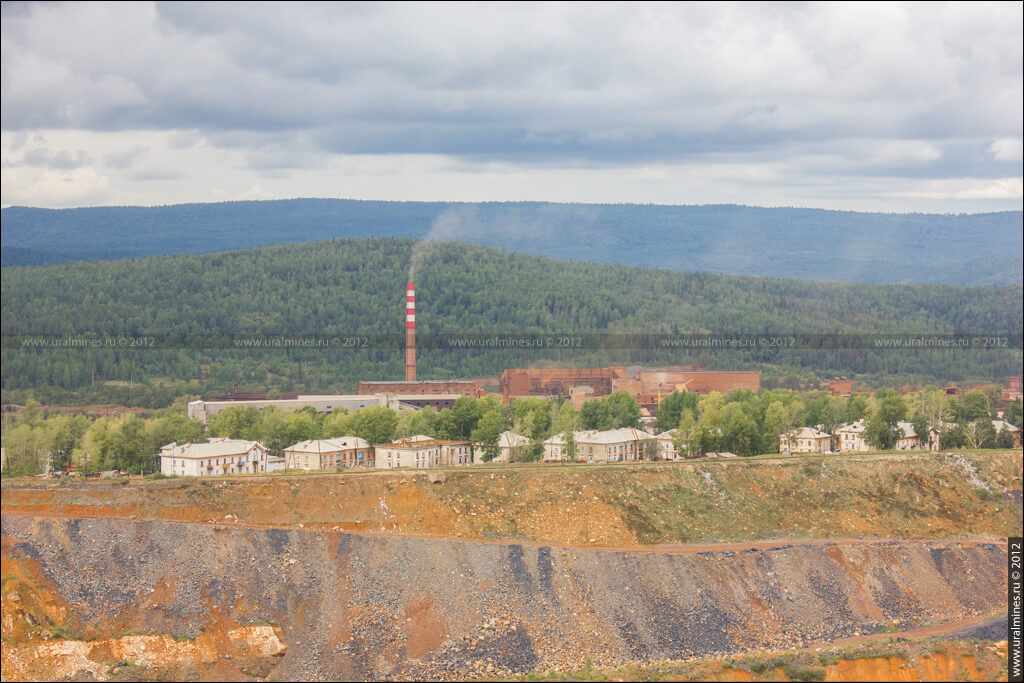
{"x":970,"y":249}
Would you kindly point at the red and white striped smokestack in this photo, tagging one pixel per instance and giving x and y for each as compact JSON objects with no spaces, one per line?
{"x":410,"y":333}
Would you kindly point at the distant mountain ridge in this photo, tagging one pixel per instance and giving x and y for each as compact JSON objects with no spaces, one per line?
{"x":815,"y":244}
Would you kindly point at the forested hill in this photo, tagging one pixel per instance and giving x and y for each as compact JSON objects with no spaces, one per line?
{"x":778,"y":242}
{"x":347,"y":287}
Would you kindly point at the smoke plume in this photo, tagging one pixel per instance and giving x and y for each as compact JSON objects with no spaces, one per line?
{"x":520,"y":228}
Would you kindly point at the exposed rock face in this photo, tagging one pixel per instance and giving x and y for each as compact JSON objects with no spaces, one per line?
{"x":363,"y":607}
{"x":71,"y":658}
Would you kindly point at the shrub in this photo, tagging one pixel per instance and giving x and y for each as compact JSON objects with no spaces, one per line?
{"x":759,"y":667}
{"x":796,"y":672}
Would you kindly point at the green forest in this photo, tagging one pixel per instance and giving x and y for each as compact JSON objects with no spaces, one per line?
{"x":354,"y":287}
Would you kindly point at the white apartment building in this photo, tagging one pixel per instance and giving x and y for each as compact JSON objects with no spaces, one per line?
{"x":851,"y":438}
{"x":341,"y":451}
{"x":415,"y":451}
{"x":668,"y":446}
{"x":805,"y":440}
{"x":218,"y":456}
{"x":510,"y":445}
{"x":612,"y":445}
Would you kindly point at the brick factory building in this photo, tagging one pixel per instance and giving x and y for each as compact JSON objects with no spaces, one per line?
{"x":204,"y":411}
{"x":551,"y":382}
{"x":839,"y":386}
{"x":464,"y":387}
{"x":648,"y":386}
{"x":698,"y":381}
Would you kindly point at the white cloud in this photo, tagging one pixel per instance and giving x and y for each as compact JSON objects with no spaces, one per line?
{"x":54,"y":188}
{"x":967,"y":188}
{"x":1008,"y":149}
{"x":907,"y":150}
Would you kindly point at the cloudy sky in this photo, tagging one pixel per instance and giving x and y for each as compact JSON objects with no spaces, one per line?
{"x":848,"y":106}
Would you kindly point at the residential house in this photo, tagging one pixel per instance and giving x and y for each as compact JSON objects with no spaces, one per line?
{"x":805,"y":440}
{"x":455,"y":453}
{"x":1002,"y":425}
{"x":511,"y":447}
{"x":613,"y":445}
{"x":909,"y":441}
{"x":217,"y":456}
{"x":668,"y":446}
{"x":318,"y":454}
{"x":556,"y":449}
{"x":415,"y":451}
{"x":851,"y":438}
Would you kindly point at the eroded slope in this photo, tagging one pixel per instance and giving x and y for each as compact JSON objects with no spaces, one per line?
{"x":364,"y":606}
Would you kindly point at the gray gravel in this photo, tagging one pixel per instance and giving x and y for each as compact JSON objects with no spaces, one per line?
{"x":347,"y":604}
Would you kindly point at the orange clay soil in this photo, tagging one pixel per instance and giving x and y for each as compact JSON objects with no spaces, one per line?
{"x":922,"y":496}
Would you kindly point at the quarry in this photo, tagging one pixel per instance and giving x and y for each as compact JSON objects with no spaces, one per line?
{"x":724,"y":571}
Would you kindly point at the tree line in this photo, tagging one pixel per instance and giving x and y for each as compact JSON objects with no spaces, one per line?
{"x":743,"y":422}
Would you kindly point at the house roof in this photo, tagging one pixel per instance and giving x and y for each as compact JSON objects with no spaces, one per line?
{"x":1000,"y":425}
{"x":414,"y":442}
{"x":810,"y":433}
{"x":604,"y":437}
{"x":340,"y":443}
{"x":215,"y":448}
{"x":857,"y":427}
{"x":908,"y":430}
{"x":511,"y":440}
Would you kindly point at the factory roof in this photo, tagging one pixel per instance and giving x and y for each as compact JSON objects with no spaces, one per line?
{"x":418,"y":381}
{"x":257,"y":402}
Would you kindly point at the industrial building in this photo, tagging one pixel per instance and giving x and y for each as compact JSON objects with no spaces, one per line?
{"x":469,"y":388}
{"x":648,"y":386}
{"x":664,"y":381}
{"x":437,"y":394}
{"x":552,"y":382}
{"x":204,"y":411}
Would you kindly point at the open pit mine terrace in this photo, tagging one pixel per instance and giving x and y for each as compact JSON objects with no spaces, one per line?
{"x":124,"y":595}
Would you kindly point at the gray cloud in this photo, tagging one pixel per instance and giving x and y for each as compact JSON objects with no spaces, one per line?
{"x":157,"y":173}
{"x":533,"y":84}
{"x":42,"y":157}
{"x":124,"y":159}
